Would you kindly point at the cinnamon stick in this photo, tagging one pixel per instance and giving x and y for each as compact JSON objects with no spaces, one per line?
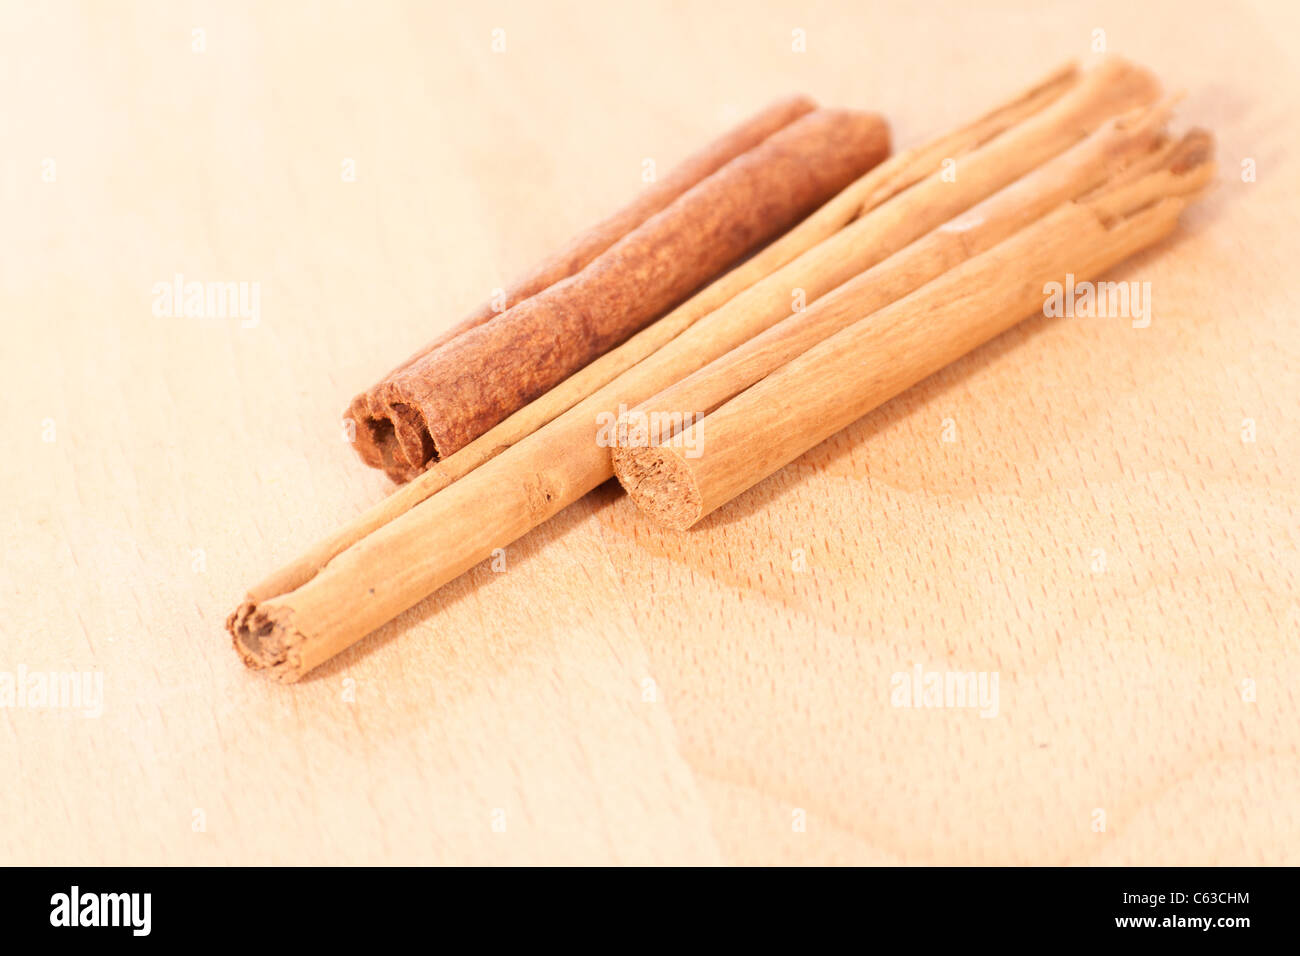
{"x":410,"y":549}
{"x":853,"y":371}
{"x":1122,"y":145}
{"x":464,"y":386}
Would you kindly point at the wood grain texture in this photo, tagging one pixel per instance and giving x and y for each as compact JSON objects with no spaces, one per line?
{"x":191,"y":456}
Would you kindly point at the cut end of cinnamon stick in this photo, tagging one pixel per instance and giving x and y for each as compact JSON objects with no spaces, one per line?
{"x":1182,"y":168}
{"x":266,"y":641}
{"x":658,"y":481}
{"x":391,"y":435}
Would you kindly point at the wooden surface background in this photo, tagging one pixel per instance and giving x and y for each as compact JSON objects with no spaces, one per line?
{"x":1100,"y":533}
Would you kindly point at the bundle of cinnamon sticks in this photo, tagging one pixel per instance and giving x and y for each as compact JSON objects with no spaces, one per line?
{"x":898,"y":269}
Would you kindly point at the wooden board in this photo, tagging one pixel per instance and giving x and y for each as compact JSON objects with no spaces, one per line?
{"x":1112,"y":528}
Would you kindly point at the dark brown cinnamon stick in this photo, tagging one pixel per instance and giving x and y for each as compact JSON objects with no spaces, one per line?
{"x":445,"y":398}
{"x":649,"y":200}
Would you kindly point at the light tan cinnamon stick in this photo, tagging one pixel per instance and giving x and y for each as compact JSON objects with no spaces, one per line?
{"x":855,"y":370}
{"x":413,"y":553}
{"x":874,"y":188}
{"x":1120,"y":147}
